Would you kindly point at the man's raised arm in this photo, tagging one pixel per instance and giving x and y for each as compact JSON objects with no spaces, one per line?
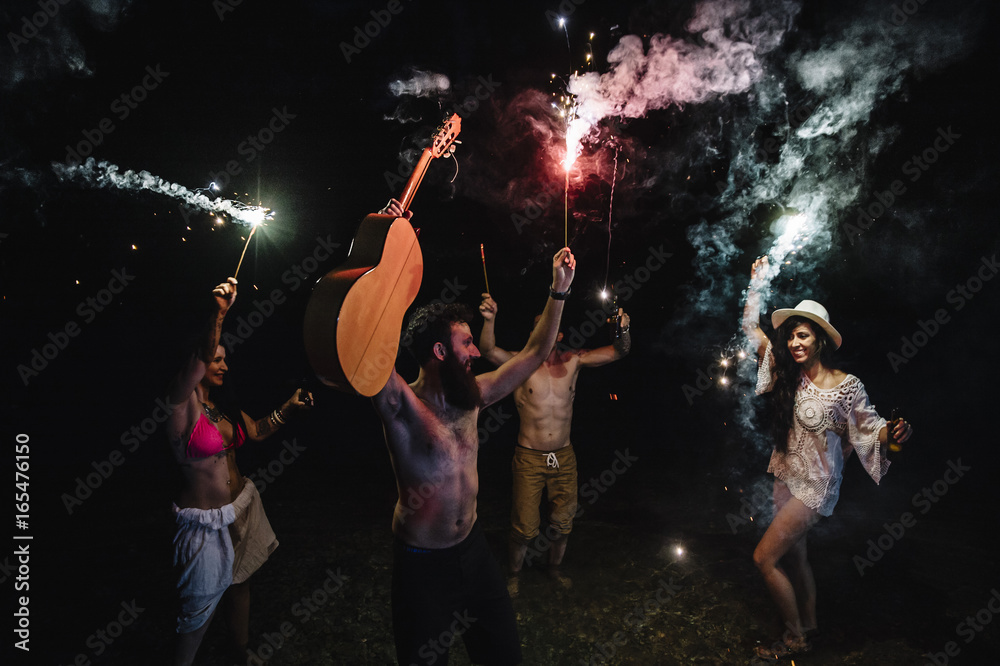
{"x":390,"y":399}
{"x":499,"y":383}
{"x":487,"y":338}
{"x":618,"y":349}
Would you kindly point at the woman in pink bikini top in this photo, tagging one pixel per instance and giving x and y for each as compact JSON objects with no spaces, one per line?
{"x":204,"y":437}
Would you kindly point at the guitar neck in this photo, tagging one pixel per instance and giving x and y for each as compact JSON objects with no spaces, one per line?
{"x":406,"y":198}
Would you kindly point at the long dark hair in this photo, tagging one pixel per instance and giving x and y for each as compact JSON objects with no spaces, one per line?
{"x":226,"y":400}
{"x":788,"y":373}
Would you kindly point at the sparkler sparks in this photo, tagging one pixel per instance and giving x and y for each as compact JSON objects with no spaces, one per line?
{"x":106,"y":175}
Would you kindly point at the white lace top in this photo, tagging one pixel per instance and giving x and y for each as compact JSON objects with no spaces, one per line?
{"x":828,"y":425}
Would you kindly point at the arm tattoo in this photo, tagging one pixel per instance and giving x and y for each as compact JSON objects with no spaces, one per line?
{"x":264,"y":427}
{"x":623,"y":344}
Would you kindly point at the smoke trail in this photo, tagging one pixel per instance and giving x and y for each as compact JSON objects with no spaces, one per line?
{"x":824,"y":164}
{"x":723,"y":54}
{"x":733,"y":35}
{"x":45,"y":43}
{"x":421,"y":84}
{"x":105,"y":175}
{"x":820,"y":167}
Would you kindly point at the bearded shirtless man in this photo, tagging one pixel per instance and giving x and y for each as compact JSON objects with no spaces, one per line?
{"x":544,"y":457}
{"x":445,"y":581}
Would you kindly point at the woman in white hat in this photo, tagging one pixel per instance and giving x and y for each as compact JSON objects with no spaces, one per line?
{"x":821,"y":415}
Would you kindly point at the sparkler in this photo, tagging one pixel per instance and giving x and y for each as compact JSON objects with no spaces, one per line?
{"x":572,"y":150}
{"x":611,"y":207}
{"x":566,"y":211}
{"x":482,"y":253}
{"x":252,"y":230}
{"x":104,"y":174}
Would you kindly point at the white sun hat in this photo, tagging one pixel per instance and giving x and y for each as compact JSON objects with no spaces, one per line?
{"x":812,"y":311}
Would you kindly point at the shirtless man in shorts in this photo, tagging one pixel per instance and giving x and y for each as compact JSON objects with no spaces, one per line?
{"x":544,"y":457}
{"x":445,"y":581}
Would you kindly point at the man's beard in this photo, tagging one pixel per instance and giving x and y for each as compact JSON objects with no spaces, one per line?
{"x":459,"y":385}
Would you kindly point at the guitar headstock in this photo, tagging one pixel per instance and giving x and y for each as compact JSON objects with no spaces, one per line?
{"x":443,"y":142}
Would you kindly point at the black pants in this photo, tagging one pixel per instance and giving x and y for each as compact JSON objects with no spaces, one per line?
{"x":441,"y":594}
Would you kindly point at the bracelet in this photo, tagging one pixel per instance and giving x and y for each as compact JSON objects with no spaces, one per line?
{"x":559,"y":295}
{"x":278,"y":417}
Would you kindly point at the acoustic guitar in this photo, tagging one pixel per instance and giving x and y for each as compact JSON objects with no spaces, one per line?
{"x":355,"y":312}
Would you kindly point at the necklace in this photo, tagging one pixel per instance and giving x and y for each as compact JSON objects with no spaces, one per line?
{"x":213,"y":413}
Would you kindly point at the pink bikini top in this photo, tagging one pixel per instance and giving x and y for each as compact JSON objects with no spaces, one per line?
{"x":206,"y":440}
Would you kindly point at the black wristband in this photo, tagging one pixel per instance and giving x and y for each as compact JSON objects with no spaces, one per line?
{"x":559,"y":295}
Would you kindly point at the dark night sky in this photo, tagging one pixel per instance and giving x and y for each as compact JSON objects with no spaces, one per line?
{"x":225,"y":77}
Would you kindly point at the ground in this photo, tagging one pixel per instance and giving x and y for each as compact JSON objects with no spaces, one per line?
{"x":323,"y":598}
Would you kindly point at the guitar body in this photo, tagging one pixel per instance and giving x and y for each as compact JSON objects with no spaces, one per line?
{"x":355,"y":314}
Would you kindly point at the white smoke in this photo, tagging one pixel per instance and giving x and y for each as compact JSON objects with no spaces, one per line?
{"x":105,"y":175}
{"x":43,"y":43}
{"x":724,"y":57}
{"x":421,"y":84}
{"x":824,"y":164}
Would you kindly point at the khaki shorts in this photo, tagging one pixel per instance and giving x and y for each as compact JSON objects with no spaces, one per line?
{"x":555,"y":472}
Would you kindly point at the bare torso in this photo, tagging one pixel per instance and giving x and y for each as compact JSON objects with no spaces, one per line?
{"x":545,"y":403}
{"x":434,"y":453}
{"x":206,"y":483}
